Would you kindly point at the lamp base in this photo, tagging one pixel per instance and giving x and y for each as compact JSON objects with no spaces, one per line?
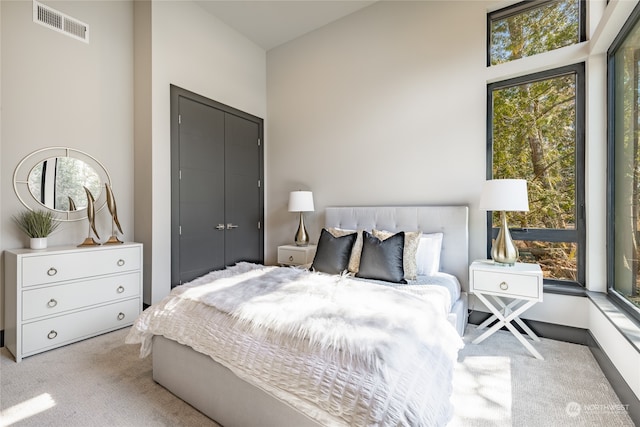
{"x":504,"y":252}
{"x":302,"y":237}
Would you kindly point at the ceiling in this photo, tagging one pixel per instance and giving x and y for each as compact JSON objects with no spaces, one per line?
{"x":272,"y":23}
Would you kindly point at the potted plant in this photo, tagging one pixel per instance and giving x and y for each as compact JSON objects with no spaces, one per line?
{"x":37,"y":225}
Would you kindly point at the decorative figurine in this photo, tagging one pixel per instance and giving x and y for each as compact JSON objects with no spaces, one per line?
{"x":91,"y":216}
{"x":111,"y":205}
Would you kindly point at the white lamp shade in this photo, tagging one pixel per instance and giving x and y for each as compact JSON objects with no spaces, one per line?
{"x":301,"y":201}
{"x":508,"y":195}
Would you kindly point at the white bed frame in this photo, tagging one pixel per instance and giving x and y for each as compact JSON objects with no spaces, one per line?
{"x":218,"y":393}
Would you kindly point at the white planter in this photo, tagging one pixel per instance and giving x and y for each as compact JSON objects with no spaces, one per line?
{"x":38,"y":243}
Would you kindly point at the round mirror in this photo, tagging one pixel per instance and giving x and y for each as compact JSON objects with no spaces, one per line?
{"x":57,"y":183}
{"x":54,"y":178}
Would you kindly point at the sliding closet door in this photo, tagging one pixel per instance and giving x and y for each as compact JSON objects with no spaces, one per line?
{"x":217,"y":197}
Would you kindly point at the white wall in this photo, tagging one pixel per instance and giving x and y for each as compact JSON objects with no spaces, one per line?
{"x":388,"y":106}
{"x":1,"y":189}
{"x":193,"y":50}
{"x":383,"y":107}
{"x":58,"y":91}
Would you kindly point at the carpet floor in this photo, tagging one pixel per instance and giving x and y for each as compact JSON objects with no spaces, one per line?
{"x":102,"y":382}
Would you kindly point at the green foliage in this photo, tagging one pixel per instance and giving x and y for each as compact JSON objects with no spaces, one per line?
{"x":534,"y":131}
{"x":36,"y":223}
{"x":541,"y":29}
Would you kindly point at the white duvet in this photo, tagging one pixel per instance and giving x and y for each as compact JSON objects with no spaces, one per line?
{"x":344,"y":352}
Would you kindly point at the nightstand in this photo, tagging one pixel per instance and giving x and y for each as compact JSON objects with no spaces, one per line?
{"x":493,"y":284}
{"x":296,"y":255}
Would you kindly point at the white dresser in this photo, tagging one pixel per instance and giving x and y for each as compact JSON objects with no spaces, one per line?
{"x":64,"y":294}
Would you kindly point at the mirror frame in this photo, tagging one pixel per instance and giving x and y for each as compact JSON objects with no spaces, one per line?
{"x":26,"y":165}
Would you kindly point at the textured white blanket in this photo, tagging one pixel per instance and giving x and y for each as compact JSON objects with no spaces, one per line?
{"x":343,"y":351}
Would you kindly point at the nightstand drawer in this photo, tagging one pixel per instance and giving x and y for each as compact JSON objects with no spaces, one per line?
{"x":296,"y":255}
{"x":515,"y":285}
{"x":289,"y":256}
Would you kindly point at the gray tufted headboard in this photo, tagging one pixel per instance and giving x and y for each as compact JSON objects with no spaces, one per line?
{"x":452,"y":221}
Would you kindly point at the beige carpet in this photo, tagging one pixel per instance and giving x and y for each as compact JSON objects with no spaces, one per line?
{"x":102,"y":382}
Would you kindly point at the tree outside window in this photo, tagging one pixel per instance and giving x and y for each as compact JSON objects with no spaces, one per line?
{"x":533,"y":27}
{"x":536,"y":132}
{"x":623,"y":232}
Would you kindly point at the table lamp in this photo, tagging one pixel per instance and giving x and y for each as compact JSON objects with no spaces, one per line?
{"x":301,"y":201}
{"x":504,"y":195}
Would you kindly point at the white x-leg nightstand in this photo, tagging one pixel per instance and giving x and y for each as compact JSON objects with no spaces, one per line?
{"x":492,"y":284}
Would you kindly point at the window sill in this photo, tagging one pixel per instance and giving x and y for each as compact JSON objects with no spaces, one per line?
{"x":629,"y":328}
{"x":571,"y":290}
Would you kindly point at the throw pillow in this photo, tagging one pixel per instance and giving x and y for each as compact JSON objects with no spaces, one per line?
{"x":382,"y":259}
{"x":332,"y":253}
{"x":354,"y":259}
{"x":411,"y":242}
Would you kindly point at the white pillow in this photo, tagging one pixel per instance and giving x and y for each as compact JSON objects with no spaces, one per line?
{"x":428,"y":254}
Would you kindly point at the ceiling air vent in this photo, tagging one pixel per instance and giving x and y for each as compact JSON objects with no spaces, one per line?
{"x":57,"y":21}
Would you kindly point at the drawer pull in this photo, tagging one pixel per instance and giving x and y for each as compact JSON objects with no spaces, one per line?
{"x":504,"y":286}
{"x":52,"y":303}
{"x":120,"y":262}
{"x":52,"y":271}
{"x":290,"y":257}
{"x":120,"y":316}
{"x":120,"y":289}
{"x":51,"y":335}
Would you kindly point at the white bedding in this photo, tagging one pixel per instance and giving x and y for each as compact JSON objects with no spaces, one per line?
{"x":446,"y":282}
{"x":342,"y":351}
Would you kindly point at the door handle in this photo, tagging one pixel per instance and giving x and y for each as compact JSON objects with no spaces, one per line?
{"x":220,"y":227}
{"x":230,"y":226}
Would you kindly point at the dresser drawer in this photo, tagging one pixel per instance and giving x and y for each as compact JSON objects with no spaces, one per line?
{"x":56,"y":331}
{"x":517,"y":285}
{"x":70,"y":296}
{"x":52,"y":268}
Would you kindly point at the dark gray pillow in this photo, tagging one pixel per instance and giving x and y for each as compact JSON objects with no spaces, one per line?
{"x":382,"y":259}
{"x":333,"y":253}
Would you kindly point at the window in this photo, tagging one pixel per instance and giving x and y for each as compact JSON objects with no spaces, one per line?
{"x":533,"y":27}
{"x":623,"y":180}
{"x":536,"y":132}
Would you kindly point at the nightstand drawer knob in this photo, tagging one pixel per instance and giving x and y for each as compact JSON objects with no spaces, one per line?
{"x":120,"y":289}
{"x":120,"y":316}
{"x":504,"y":286}
{"x":52,"y":303}
{"x":51,"y":335}
{"x":291,"y":258}
{"x":52,"y":271}
{"x":120,"y":262}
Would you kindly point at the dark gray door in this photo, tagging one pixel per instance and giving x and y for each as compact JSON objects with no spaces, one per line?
{"x":242,"y":191}
{"x":201,"y":180}
{"x":216,"y":191}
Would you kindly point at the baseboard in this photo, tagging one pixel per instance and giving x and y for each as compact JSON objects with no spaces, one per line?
{"x":582,"y":337}
{"x":543,"y":329}
{"x":620,"y":386}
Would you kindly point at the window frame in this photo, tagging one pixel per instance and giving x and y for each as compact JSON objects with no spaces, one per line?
{"x":612,"y":293}
{"x":525,"y":6}
{"x":550,"y":235}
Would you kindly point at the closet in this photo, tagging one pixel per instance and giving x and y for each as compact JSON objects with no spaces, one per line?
{"x":216,"y":186}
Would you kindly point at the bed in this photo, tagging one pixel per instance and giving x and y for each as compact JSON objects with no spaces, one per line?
{"x":246,"y":377}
